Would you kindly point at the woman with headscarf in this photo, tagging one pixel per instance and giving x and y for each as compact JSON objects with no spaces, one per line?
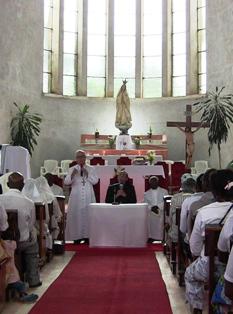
{"x":48,"y":197}
{"x":30,"y":190}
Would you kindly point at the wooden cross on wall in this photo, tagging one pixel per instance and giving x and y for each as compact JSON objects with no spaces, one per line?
{"x":189,"y":147}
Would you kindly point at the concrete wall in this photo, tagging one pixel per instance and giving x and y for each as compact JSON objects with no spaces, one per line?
{"x":64,"y":119}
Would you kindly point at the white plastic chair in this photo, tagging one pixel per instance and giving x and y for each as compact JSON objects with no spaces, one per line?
{"x":51,"y":166}
{"x":200,"y":166}
{"x":65,"y":167}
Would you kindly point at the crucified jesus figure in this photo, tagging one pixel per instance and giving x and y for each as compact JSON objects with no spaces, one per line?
{"x":190,"y":145}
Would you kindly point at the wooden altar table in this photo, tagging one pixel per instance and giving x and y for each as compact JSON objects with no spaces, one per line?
{"x":136,"y":172}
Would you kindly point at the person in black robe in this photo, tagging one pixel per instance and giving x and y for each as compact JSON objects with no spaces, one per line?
{"x":121,"y":192}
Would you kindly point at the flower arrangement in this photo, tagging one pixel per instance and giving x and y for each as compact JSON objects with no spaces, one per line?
{"x":111,"y":140}
{"x":137,"y":141}
{"x":151,"y":156}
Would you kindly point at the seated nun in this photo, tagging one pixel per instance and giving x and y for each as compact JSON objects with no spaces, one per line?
{"x":48,"y":197}
{"x":30,"y":190}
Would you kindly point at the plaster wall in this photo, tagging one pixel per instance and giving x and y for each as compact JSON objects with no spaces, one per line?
{"x":65,"y":119}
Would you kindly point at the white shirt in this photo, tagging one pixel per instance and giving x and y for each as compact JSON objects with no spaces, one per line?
{"x":229,"y":270}
{"x":209,"y":214}
{"x":3,"y":218}
{"x":226,"y":233}
{"x":56,"y":189}
{"x":14,"y":199}
{"x":185,"y":210}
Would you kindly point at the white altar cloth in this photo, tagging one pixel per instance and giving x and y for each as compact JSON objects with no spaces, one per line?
{"x":136,"y":172}
{"x":124,"y":142}
{"x":123,"y":225}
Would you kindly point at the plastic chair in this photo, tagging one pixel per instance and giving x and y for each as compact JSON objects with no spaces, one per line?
{"x":124,"y":161}
{"x":51,"y":166}
{"x":97,"y":161}
{"x":65,"y":164}
{"x":200,"y":166}
{"x":164,"y":182}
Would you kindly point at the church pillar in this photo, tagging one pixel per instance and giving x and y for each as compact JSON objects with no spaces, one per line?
{"x":110,"y":51}
{"x":82,"y":48}
{"x":138,"y":52}
{"x":57,"y":47}
{"x":166,"y":49}
{"x":191,"y":48}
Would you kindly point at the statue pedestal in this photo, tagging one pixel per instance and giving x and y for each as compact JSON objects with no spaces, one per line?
{"x":124,"y":142}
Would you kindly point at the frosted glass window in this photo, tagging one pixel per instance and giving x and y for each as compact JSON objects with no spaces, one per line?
{"x":96,"y":66}
{"x":47,"y":61}
{"x":48,"y":16}
{"x":179,"y":22}
{"x":152,"y":66}
{"x":97,"y":27}
{"x":130,"y":86}
{"x":179,"y":43}
{"x":96,"y":45}
{"x":47,"y":39}
{"x":201,"y":18}
{"x":69,"y":64}
{"x":70,"y":42}
{"x":152,"y":45}
{"x":71,"y":5}
{"x":178,"y":5}
{"x":201,"y":40}
{"x":152,"y":25}
{"x":69,"y":85}
{"x":97,"y":7}
{"x":201,"y":3}
{"x":124,"y":46}
{"x":202,"y":62}
{"x":46,"y":82}
{"x":124,"y":67}
{"x":152,"y":87}
{"x":179,"y":65}
{"x":179,"y":86}
{"x":154,"y":6}
{"x":202,"y":83}
{"x":125,"y":17}
{"x":70,"y":21}
{"x":95,"y":87}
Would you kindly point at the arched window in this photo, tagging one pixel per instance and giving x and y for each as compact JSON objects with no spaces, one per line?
{"x":90,"y":46}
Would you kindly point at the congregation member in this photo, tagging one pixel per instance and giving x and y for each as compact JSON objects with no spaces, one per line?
{"x":3,"y":219}
{"x":122,"y":192}
{"x":220,"y":299}
{"x":49,"y":198}
{"x":184,"y":216}
{"x":206,"y":199}
{"x":188,"y":186}
{"x":30,"y":190}
{"x":228,"y":276}
{"x":56,"y":189}
{"x":81,"y":178}
{"x":154,"y":198}
{"x":27,"y":245}
{"x":13,"y":281}
{"x":196,"y":274}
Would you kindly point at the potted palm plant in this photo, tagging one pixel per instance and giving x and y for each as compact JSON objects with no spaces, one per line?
{"x":217,"y":111}
{"x":25,"y":127}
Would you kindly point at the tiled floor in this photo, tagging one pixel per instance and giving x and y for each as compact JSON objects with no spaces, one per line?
{"x":52,"y":270}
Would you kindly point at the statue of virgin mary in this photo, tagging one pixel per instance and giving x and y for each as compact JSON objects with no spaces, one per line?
{"x":123,"y":115}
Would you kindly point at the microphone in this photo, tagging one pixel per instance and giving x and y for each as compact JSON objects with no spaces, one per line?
{"x":121,"y":186}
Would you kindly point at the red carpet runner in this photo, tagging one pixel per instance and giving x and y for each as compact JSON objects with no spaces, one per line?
{"x":107,"y":281}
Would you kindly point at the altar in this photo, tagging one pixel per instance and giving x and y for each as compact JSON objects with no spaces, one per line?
{"x":100,"y":145}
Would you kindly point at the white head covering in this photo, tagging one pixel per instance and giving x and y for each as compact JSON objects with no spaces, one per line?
{"x":44,"y":189}
{"x":48,"y":196}
{"x":30,"y":190}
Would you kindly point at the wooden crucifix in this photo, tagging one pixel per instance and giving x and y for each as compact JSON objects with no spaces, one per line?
{"x":189,"y":133}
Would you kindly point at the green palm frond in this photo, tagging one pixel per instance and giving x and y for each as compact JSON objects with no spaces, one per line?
{"x":25,"y":127}
{"x":216,"y":110}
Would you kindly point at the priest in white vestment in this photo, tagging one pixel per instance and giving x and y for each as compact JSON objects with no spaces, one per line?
{"x":81,"y":177}
{"x":154,"y":198}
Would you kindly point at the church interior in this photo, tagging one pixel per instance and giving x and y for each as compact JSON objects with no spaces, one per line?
{"x":67,"y":60}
